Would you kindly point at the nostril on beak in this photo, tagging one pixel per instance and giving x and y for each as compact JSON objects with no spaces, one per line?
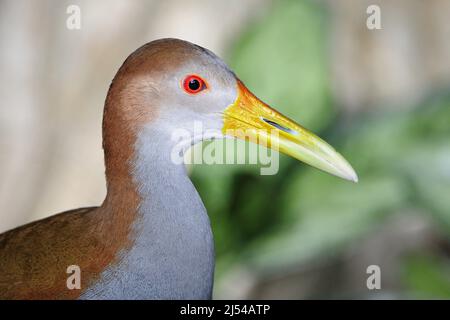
{"x":279,"y":126}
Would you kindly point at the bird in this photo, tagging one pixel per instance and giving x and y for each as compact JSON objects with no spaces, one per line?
{"x":151,"y":237}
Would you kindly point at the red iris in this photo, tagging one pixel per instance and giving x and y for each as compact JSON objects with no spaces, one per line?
{"x":193,"y":84}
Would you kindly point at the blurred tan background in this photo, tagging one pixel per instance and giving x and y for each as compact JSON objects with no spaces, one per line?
{"x":54,"y":82}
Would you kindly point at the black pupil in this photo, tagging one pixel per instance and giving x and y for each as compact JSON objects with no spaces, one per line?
{"x":194,"y":84}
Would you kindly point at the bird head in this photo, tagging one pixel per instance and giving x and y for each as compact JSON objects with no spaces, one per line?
{"x":173,"y":84}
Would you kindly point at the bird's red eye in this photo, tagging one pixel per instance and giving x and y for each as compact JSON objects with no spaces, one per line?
{"x":193,"y":84}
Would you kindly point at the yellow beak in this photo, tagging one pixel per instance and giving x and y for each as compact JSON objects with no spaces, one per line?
{"x":249,"y":118}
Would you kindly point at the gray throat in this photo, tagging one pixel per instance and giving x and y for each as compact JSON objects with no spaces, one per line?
{"x":173,"y":253}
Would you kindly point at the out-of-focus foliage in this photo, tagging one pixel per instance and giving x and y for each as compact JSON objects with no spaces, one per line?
{"x":426,"y":277}
{"x":402,"y":159}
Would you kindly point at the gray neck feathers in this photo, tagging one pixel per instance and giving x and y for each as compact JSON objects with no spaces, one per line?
{"x":173,"y":252}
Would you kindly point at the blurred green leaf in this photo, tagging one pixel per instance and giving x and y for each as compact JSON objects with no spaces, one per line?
{"x":427,"y":277}
{"x":282,"y":59}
